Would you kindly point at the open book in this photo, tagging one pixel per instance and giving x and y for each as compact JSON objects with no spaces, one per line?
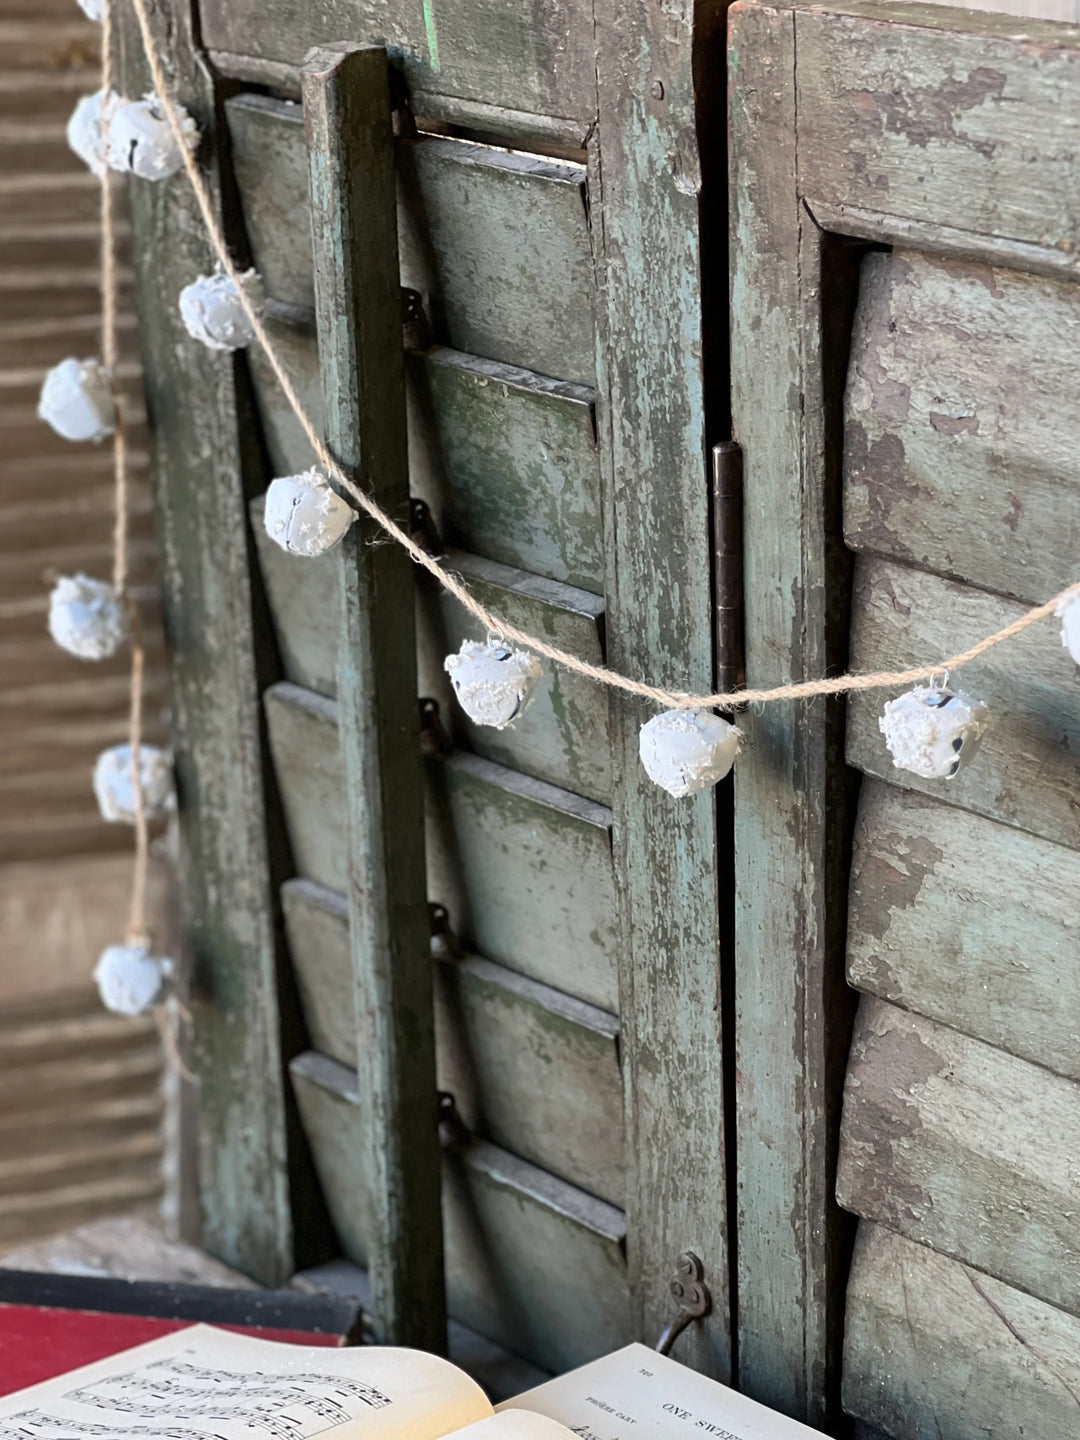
{"x":208,"y":1384}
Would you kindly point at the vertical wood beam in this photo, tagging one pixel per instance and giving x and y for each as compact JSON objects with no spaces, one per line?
{"x":227,"y":904}
{"x":646,"y":197}
{"x":358,"y":303}
{"x":789,"y":783}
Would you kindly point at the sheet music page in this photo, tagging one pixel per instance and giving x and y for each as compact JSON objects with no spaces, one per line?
{"x":208,"y":1384}
{"x":636,"y":1394}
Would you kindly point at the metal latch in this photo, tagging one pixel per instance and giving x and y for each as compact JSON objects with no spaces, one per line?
{"x":691,"y":1295}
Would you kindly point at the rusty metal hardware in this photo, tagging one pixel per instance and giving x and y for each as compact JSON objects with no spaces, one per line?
{"x":422,"y":528}
{"x":444,"y":943}
{"x":433,"y":738}
{"x":454,"y":1134}
{"x":416,"y":330}
{"x":727,"y":485}
{"x":691,"y":1295}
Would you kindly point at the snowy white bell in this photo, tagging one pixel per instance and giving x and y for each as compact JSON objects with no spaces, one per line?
{"x":92,"y":9}
{"x":304,"y":515}
{"x":686,"y":751}
{"x":114,"y":788}
{"x":84,"y":133}
{"x":138,"y":139}
{"x":493,"y":683}
{"x":932,"y":731}
{"x":130,"y":980}
{"x":1068,"y":612}
{"x":86,"y":617}
{"x":76,"y":400}
{"x":211,"y":310}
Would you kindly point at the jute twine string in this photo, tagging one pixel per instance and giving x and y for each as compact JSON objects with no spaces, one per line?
{"x":110,"y":359}
{"x":494,"y":623}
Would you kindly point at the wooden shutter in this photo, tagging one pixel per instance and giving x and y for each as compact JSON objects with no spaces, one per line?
{"x":904,"y":314}
{"x":549,"y":194}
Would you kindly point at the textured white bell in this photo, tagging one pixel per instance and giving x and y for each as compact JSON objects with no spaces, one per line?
{"x":933,"y":732}
{"x":686,"y":751}
{"x":114,"y":786}
{"x":130,"y":980}
{"x":76,"y":400}
{"x":493,"y":683}
{"x":304,"y":515}
{"x":92,"y":9}
{"x":1068,"y":612}
{"x":211,"y":310}
{"x":138,"y":140}
{"x":84,"y":132}
{"x":86,"y":617}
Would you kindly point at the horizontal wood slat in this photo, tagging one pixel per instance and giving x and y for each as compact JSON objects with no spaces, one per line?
{"x":955,"y":143}
{"x":1025,"y":772}
{"x":959,"y":451}
{"x":523,"y":868}
{"x":933,"y":1348}
{"x":496,"y":242}
{"x":968,"y":922}
{"x":964,"y":1148}
{"x":531,"y":59}
{"x":530,"y":1068}
{"x":532,"y":1263}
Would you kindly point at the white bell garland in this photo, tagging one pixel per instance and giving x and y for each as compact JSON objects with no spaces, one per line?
{"x":1068,"y":612}
{"x":84,"y":132}
{"x":304,"y":515}
{"x":687,"y":751}
{"x":130,"y":980}
{"x":76,"y":400}
{"x":138,"y":140}
{"x":933,"y":732}
{"x":114,"y":787}
{"x":86,"y":617}
{"x":493,"y":683}
{"x":211,"y":310}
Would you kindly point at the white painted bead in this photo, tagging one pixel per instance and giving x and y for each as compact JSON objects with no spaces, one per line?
{"x":130,"y":980}
{"x":933,"y":732}
{"x":84,"y":133}
{"x":92,"y":9}
{"x":212,"y":313}
{"x":1068,"y":612}
{"x":493,"y":683}
{"x":115,"y":790}
{"x":304,"y":515}
{"x":76,"y":400}
{"x":686,"y":751}
{"x":138,"y":140}
{"x":86,"y":617}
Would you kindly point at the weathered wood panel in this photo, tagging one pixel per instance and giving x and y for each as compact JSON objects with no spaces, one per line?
{"x":790,"y":1005}
{"x":959,"y":447}
{"x":532,"y":1263}
{"x":304,"y":594}
{"x":507,"y":460}
{"x":562,"y":737}
{"x":934,"y":1349}
{"x":523,"y":868}
{"x":532,"y":1069}
{"x":496,"y":242}
{"x":1025,"y":772}
{"x":968,"y":922}
{"x":536,"y":59}
{"x":253,"y":1218}
{"x":964,"y":1148}
{"x":953,"y":143}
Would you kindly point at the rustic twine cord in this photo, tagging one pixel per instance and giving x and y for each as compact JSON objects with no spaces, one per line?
{"x":669,"y":699}
{"x":110,"y":358}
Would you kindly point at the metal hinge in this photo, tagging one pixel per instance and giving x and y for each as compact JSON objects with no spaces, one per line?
{"x":727,"y":487}
{"x":691,"y":1295}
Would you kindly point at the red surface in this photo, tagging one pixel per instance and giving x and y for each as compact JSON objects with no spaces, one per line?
{"x":38,"y":1344}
